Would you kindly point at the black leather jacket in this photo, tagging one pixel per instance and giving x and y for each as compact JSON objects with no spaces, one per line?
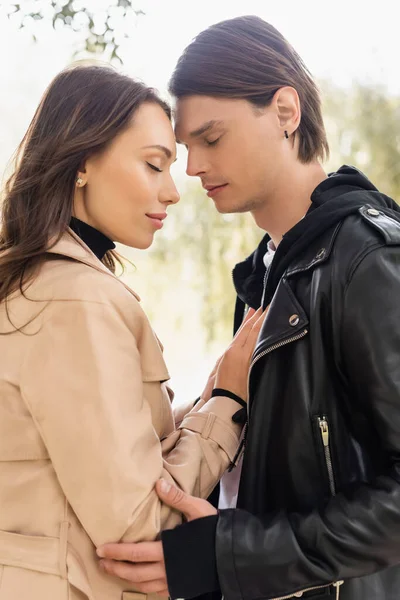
{"x":319,"y":502}
{"x":321,"y":474}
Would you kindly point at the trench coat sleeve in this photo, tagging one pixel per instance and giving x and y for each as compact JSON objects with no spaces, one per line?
{"x":182,"y":409}
{"x":82,"y":383}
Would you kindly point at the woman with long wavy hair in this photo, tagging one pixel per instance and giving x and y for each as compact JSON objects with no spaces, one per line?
{"x":86,"y":425}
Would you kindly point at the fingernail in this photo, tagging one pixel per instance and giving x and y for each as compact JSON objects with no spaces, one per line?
{"x":165,"y":486}
{"x":100,"y":552}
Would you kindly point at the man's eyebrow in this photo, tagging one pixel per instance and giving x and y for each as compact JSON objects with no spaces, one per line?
{"x":204,"y":128}
{"x":164,"y":149}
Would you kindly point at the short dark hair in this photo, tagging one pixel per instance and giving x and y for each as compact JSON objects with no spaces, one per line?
{"x":248,"y":58}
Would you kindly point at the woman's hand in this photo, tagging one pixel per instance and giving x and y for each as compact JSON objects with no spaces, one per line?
{"x":210,"y":385}
{"x":233,"y":367}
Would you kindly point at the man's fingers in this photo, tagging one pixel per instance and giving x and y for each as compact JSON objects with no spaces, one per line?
{"x":192,"y":508}
{"x":136,"y":573}
{"x":175,"y":497}
{"x":154,"y":587}
{"x":130,"y":573}
{"x":163,"y":593}
{"x":140,"y":552}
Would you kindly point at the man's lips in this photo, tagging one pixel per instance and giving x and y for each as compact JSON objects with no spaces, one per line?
{"x":212,"y":190}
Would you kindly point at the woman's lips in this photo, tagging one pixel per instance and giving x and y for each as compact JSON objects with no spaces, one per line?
{"x":157,"y":219}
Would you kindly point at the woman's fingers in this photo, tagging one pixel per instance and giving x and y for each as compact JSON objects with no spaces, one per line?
{"x":232,"y":373}
{"x":250,"y":314}
{"x":245,"y":329}
{"x":253,"y":334}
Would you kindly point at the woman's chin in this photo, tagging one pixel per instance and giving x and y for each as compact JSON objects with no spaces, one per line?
{"x":140,"y":243}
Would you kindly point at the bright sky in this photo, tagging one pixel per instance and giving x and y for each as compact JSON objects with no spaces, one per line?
{"x":341,"y":40}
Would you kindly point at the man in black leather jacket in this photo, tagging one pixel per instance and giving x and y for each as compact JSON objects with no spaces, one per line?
{"x":318,"y":508}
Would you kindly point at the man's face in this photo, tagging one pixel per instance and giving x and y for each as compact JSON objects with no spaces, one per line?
{"x":235,"y":148}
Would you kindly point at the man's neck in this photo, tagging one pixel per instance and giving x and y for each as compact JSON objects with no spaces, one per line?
{"x":288,"y":205}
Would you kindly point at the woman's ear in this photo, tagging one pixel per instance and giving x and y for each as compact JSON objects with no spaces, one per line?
{"x":81,"y":176}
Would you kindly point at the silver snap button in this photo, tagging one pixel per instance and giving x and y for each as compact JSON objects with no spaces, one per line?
{"x":373,"y":212}
{"x":294,"y":320}
{"x":320,"y":253}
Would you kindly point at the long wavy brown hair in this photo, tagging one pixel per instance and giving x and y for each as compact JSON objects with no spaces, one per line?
{"x":84,"y":108}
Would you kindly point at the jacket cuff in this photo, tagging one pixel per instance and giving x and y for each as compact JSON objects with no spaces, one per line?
{"x":214,"y":420}
{"x":190,"y":561}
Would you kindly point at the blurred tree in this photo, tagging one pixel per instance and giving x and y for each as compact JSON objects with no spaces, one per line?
{"x":103,"y":28}
{"x":363,"y":126}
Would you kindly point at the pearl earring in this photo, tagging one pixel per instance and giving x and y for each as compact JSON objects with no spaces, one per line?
{"x":79,"y":181}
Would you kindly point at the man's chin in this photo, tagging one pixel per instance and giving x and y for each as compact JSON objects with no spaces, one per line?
{"x":232,"y":207}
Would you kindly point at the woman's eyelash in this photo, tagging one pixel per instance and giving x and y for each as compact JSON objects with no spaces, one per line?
{"x":213,"y":142}
{"x":154,"y":167}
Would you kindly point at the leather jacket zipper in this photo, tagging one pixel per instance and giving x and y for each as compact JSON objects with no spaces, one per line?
{"x":324,"y":430}
{"x":272,"y":348}
{"x":242,"y":444}
{"x":336,"y":585}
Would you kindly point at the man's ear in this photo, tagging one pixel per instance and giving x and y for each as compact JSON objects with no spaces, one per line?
{"x":287,"y":106}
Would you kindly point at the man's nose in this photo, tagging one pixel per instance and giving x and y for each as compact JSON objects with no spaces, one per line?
{"x":195,"y":165}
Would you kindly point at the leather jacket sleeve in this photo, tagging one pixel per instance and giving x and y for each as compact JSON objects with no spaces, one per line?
{"x":189,"y":554}
{"x":358,"y":531}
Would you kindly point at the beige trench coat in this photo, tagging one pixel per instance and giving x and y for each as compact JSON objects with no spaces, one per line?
{"x":86,"y":429}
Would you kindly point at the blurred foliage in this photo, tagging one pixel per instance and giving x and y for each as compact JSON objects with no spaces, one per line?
{"x":200,"y":246}
{"x":363,"y":126}
{"x":102,"y":29}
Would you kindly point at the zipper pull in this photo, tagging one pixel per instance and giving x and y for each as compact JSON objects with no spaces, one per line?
{"x":337,"y":586}
{"x":323,"y":425}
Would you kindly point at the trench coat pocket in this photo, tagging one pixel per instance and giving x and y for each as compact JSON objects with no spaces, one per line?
{"x":34,"y":567}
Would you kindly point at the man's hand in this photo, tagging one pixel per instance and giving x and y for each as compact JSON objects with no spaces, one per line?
{"x":148,"y":571}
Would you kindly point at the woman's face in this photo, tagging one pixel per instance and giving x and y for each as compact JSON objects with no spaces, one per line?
{"x":127,"y":188}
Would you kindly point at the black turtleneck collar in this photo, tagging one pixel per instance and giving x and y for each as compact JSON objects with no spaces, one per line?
{"x":97,"y":241}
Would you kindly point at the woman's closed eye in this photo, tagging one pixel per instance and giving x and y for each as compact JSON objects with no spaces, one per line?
{"x":154,"y":168}
{"x":213,"y":142}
